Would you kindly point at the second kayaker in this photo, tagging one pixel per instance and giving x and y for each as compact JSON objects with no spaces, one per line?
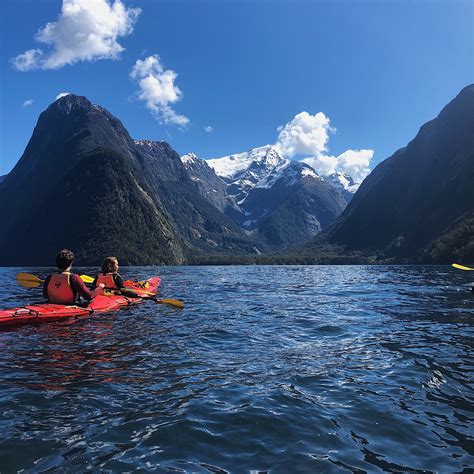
{"x":64,"y":287}
{"x":109,"y":276}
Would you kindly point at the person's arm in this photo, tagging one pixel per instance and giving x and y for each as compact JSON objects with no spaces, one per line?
{"x":83,"y":291}
{"x":118,"y":281}
{"x":45,"y":287}
{"x":94,"y":283}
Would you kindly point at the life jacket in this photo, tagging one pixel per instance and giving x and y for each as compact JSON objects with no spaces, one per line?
{"x":107,"y":280}
{"x":60,"y":290}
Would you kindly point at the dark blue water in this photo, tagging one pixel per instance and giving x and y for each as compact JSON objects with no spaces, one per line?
{"x":271,"y":369}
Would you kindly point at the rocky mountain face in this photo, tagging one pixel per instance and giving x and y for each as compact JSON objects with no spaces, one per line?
{"x":344,"y":184}
{"x":84,"y":184}
{"x":207,"y":182}
{"x":282,"y":201}
{"x":418,"y":205}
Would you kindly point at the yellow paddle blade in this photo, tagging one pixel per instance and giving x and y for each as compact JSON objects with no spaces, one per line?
{"x":27,"y":280}
{"x":461,"y":267}
{"x":172,"y":302}
{"x":87,"y":279}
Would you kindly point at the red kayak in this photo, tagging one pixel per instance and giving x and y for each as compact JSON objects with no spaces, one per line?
{"x":48,"y":312}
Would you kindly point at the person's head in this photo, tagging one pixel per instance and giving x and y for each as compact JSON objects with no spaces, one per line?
{"x":64,"y":259}
{"x":110,"y":265}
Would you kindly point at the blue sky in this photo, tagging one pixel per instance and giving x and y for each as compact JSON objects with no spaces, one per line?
{"x":346,"y":81}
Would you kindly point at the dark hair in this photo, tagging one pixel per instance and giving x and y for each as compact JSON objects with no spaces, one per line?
{"x":109,"y":264}
{"x":64,"y":259}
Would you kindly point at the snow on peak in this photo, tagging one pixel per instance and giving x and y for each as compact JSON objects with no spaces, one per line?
{"x":230,"y":166}
{"x":308,"y":171}
{"x":342,"y":181}
{"x":148,"y":143}
{"x":189,"y":158}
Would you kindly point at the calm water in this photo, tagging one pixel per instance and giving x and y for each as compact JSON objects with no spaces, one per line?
{"x":273,"y":369}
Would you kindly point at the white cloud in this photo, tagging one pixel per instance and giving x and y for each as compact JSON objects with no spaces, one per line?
{"x":305,"y":134}
{"x":61,"y":94}
{"x":355,"y":163}
{"x":322,"y":164}
{"x":208,"y":129}
{"x":86,"y":30}
{"x":28,"y":60}
{"x":28,"y":103}
{"x":308,"y":135}
{"x":158,"y":90}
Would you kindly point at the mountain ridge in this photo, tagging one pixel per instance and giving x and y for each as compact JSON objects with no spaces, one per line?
{"x":283,"y":201}
{"x":83,"y":183}
{"x":412,"y":198}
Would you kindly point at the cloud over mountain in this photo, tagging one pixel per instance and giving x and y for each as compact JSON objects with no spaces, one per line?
{"x":86,"y":30}
{"x":308,"y":135}
{"x":354,"y":163}
{"x":305,"y":134}
{"x":158,"y":90}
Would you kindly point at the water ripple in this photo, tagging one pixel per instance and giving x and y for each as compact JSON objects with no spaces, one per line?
{"x":268,"y":369}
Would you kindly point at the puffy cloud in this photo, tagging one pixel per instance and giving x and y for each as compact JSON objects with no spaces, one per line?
{"x":305,"y":135}
{"x":208,"y":129}
{"x":322,"y":164}
{"x":308,"y":135}
{"x":28,"y":103}
{"x":61,"y":94}
{"x":354,"y":163}
{"x":158,"y":90}
{"x":86,"y":30}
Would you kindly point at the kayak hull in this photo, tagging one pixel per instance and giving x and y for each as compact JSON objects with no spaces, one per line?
{"x":50,"y":312}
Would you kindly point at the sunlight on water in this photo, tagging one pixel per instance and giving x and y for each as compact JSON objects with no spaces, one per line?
{"x":281,"y":369}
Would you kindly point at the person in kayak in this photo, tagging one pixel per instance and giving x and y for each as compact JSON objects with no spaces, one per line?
{"x":109,"y":277}
{"x":64,"y":287}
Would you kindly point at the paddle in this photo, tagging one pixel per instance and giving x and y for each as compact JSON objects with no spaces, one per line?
{"x":461,"y":267}
{"x":87,"y":279}
{"x":147,"y":295}
{"x":27,"y":280}
{"x":170,"y":301}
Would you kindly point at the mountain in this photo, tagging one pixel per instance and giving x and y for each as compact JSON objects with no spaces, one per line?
{"x":204,"y":228}
{"x":418,"y":205}
{"x":343,"y":183}
{"x":207,"y":182}
{"x":282,"y":201}
{"x":84,"y":184}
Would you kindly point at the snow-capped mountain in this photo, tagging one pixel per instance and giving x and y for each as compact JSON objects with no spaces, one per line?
{"x":284,"y":201}
{"x":344,"y":183}
{"x":258,"y":168}
{"x":232,"y":165}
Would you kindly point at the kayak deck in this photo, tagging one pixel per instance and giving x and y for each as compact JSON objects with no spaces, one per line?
{"x":50,"y":312}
